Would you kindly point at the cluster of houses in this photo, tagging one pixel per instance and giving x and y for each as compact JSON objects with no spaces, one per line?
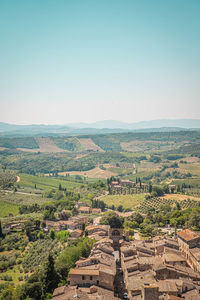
{"x":93,"y":277}
{"x":88,"y":210}
{"x":124,"y":185}
{"x":162,"y":268}
{"x":84,"y":208}
{"x":74,"y":225}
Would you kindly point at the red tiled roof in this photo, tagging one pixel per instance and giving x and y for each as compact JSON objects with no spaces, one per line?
{"x":188,"y":235}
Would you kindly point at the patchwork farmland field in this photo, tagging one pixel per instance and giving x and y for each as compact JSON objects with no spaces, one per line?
{"x":88,"y":144}
{"x":45,"y":145}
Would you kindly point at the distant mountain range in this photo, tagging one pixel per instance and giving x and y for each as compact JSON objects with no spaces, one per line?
{"x":100,"y":127}
{"x":111,"y":124}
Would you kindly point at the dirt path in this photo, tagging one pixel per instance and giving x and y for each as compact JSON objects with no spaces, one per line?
{"x":99,"y":197}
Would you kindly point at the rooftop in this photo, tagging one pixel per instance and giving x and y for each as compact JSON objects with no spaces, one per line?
{"x":172,"y":257}
{"x":167,"y":286}
{"x":69,"y":293}
{"x":188,"y":235}
{"x":82,"y":271}
{"x":86,"y":208}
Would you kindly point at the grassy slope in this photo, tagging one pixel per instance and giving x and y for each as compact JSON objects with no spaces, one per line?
{"x":128,"y":201}
{"x":7,"y":208}
{"x":46,"y":183}
{"x":20,"y":199}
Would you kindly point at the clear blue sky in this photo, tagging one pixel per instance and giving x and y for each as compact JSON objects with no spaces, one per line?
{"x":67,"y":61}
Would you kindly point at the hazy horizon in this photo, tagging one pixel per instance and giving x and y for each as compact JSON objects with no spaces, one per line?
{"x":84,"y":61}
{"x":109,"y":121}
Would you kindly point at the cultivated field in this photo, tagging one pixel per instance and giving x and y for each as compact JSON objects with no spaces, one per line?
{"x":45,"y":145}
{"x":128,"y":201}
{"x":46,"y":183}
{"x":192,"y":167}
{"x":180,"y":197}
{"x":88,"y":144}
{"x":171,"y":200}
{"x":138,"y":145}
{"x":8,"y":208}
{"x":94,"y":173}
{"x":22,"y":198}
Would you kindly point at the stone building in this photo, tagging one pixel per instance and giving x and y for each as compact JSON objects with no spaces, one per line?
{"x":98,"y":269}
{"x":158,"y":270}
{"x":189,"y":243}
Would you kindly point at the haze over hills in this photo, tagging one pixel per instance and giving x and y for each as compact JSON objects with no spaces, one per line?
{"x":111,"y":124}
{"x":107,"y":126}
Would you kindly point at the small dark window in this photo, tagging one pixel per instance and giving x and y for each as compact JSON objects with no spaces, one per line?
{"x":83,"y":277}
{"x":90,"y":277}
{"x":97,"y":282}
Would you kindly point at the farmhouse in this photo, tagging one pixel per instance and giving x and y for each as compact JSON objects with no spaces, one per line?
{"x":85,"y":210}
{"x":127,"y":183}
{"x":96,"y":210}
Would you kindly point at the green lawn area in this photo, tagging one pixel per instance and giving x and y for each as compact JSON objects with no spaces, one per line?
{"x":133,"y":154}
{"x":46,"y":183}
{"x":128,"y":201}
{"x":7,"y":208}
{"x":120,"y":170}
{"x":20,"y":199}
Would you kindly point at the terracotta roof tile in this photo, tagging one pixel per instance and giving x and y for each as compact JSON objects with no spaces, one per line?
{"x":188,"y":235}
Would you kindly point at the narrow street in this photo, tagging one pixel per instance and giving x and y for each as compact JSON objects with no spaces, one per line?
{"x":119,"y":285}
